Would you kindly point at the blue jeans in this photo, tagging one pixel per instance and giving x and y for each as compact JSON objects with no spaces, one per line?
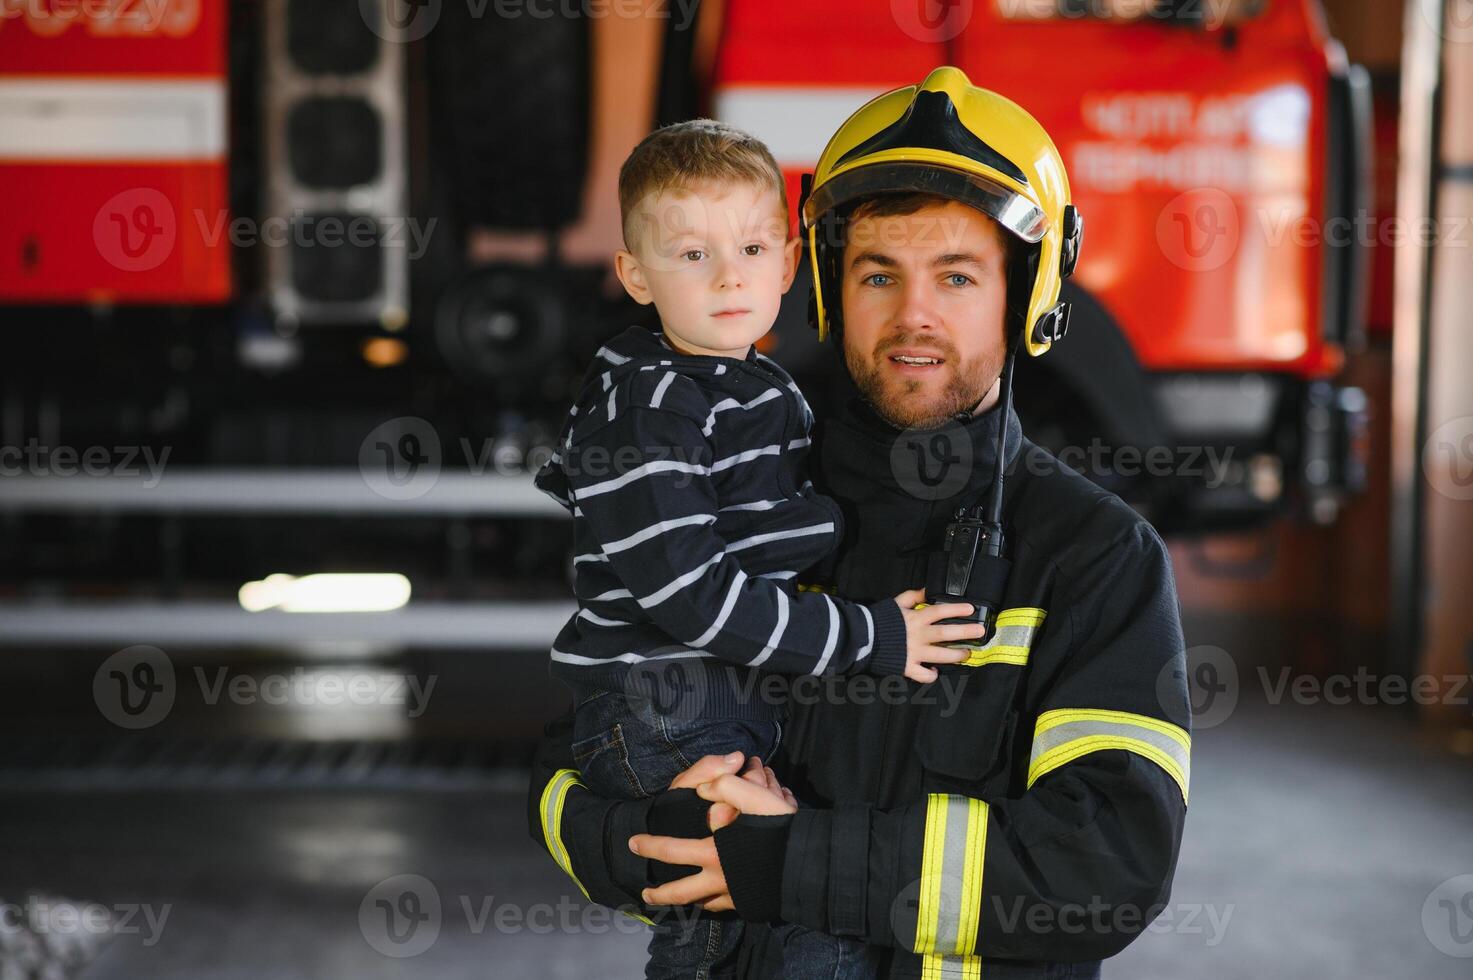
{"x":626,"y":749}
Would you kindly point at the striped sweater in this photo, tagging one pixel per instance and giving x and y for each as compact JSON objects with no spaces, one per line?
{"x":691,"y":519}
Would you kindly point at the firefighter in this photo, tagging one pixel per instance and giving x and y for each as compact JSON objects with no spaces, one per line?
{"x":1024,"y":811}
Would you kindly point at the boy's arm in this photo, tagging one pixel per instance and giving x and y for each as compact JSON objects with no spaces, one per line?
{"x":653,"y":514}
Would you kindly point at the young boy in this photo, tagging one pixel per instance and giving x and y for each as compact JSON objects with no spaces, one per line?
{"x":682,"y":464}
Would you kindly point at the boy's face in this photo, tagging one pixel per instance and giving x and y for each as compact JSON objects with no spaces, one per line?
{"x":715,"y":260}
{"x":931,"y":285}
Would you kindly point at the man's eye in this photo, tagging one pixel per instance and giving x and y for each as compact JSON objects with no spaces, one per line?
{"x":754,"y":249}
{"x":693,"y":255}
{"x":876,"y":279}
{"x":957,"y":279}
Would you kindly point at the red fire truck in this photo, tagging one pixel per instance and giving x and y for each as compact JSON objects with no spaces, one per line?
{"x":239,"y":230}
{"x":1220,"y":154}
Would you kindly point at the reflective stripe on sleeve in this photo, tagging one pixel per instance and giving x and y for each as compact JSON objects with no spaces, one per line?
{"x":1067,"y":734}
{"x":554,"y":796}
{"x":951,"y":875}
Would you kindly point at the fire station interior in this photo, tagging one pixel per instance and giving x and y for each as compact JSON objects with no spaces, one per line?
{"x":294,"y":295}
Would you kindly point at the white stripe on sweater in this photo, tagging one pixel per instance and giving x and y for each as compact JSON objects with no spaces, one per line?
{"x":833,"y":640}
{"x":661,"y":594}
{"x":777,"y":631}
{"x":639,"y":472}
{"x":727,"y":404}
{"x":599,"y":620}
{"x":756,"y":505}
{"x":645,"y":533}
{"x":660,"y":389}
{"x":864,"y":650}
{"x":627,"y":658}
{"x":732,"y":595}
{"x":797,"y":532}
{"x":611,"y":356}
{"x":746,"y":457}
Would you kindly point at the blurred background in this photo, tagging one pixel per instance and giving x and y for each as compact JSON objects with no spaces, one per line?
{"x":294,"y":293}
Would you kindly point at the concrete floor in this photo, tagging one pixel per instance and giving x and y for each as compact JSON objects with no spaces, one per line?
{"x":1315,"y":838}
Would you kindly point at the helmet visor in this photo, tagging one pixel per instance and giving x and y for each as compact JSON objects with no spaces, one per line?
{"x":1003,"y":204}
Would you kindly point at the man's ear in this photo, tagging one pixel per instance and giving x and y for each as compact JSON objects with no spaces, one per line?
{"x":631,"y":274}
{"x":791,"y":250}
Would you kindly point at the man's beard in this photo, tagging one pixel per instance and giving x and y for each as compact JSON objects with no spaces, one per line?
{"x":899,"y":404}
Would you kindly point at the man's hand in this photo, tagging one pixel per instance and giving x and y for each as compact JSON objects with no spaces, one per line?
{"x":713,"y":777}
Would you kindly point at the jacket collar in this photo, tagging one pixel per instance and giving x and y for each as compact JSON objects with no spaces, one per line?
{"x":956,"y":460}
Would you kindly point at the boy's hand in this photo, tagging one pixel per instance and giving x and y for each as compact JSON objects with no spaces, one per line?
{"x":923,"y":634}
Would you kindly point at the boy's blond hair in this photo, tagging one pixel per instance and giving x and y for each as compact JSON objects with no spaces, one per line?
{"x":683,"y":154}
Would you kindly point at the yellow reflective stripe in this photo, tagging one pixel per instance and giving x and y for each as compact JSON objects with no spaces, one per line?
{"x":935,"y":967}
{"x":933,"y":856}
{"x":1011,"y":642}
{"x":1053,"y":719}
{"x":554,"y":796}
{"x":1065,"y":735}
{"x":550,"y":809}
{"x":976,"y":852}
{"x":815,"y":587}
{"x":952,"y":859}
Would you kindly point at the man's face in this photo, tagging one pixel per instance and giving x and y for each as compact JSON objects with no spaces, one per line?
{"x":929,"y":287}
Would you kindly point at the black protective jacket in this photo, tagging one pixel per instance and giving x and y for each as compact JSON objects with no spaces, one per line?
{"x":1025,"y":807}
